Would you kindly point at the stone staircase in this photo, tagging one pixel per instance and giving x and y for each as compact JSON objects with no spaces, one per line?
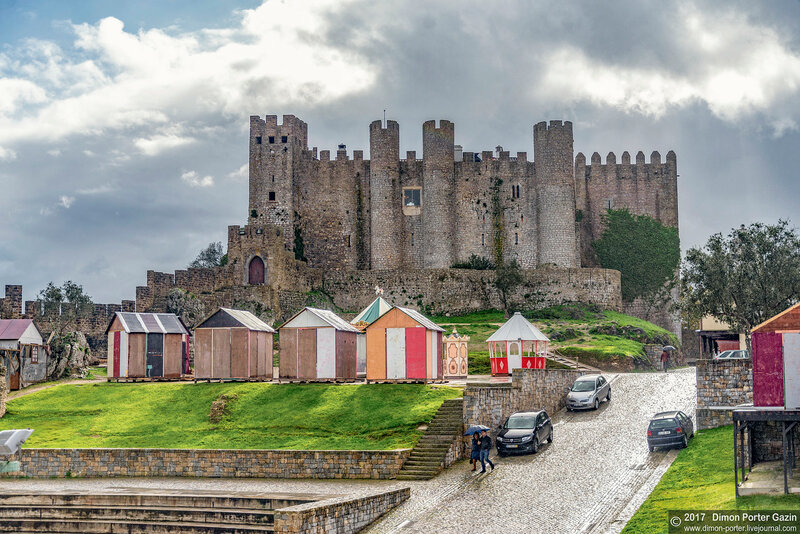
{"x":137,"y":512}
{"x":426,"y":459}
{"x":573,"y":364}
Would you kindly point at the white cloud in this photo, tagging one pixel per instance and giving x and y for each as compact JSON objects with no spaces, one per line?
{"x":194,"y":179}
{"x":66,"y":201}
{"x":157,"y":77}
{"x":88,"y":153}
{"x":241,"y":174}
{"x":55,"y":152}
{"x":6,"y":154}
{"x":97,"y":190}
{"x":156,"y":144}
{"x":732,"y":65}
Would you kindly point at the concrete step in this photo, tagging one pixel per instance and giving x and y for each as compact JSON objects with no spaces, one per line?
{"x":128,"y":527}
{"x":188,"y":500}
{"x":419,"y":471}
{"x":402,"y":476}
{"x":134,"y":513}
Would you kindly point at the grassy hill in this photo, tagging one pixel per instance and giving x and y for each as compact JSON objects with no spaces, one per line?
{"x":257,"y":416}
{"x":576,"y":330}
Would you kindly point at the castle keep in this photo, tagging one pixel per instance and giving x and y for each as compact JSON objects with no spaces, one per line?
{"x":388,"y":213}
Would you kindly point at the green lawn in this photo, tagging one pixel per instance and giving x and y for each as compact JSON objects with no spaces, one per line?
{"x":269,"y":416}
{"x":701,"y":478}
{"x":575,"y":330}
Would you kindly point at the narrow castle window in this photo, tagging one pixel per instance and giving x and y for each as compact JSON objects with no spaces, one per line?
{"x":483,"y":240}
{"x":271,"y":139}
{"x":284,"y":138}
{"x":273,"y":178}
{"x":348,"y":241}
{"x":258,"y":140}
{"x":610,"y":203}
{"x":412,"y":239}
{"x":516,"y":238}
{"x":272,"y":196}
{"x":522,"y":218}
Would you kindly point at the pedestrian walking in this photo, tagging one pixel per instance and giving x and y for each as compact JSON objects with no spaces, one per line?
{"x":665,"y":359}
{"x":486,"y":447}
{"x":476,"y":451}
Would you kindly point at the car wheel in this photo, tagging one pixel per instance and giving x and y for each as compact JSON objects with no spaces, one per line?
{"x":597,"y":404}
{"x":608,"y":395}
{"x":569,"y":409}
{"x":651,"y":448}
{"x":685,"y":442}
{"x":550,"y":437}
{"x":535,"y":445}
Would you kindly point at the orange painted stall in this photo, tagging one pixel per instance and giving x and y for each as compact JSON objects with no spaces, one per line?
{"x":403,"y":344}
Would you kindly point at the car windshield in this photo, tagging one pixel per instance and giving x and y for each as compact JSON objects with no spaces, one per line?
{"x":521,"y":421}
{"x":725,"y":354}
{"x":583,"y":385}
{"x":663,"y":423}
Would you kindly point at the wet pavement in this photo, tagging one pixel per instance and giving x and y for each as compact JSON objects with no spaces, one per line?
{"x":591,"y":479}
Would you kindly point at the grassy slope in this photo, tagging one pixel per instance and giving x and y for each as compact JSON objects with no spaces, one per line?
{"x":701,"y":478}
{"x":578,"y":319}
{"x":271,"y":416}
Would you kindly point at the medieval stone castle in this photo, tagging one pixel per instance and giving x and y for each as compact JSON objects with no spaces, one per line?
{"x":335,"y":228}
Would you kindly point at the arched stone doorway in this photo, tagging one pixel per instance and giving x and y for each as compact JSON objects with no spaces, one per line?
{"x":255,"y":272}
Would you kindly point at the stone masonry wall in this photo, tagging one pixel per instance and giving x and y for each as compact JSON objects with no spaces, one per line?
{"x":530,"y":389}
{"x":722,"y":385}
{"x":458,"y":291}
{"x":337,"y":516}
{"x":3,"y":389}
{"x":45,"y":463}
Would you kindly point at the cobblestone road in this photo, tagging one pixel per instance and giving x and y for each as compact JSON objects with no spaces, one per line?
{"x":590,"y":480}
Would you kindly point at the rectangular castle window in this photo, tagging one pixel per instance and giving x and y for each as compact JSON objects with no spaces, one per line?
{"x":258,"y":140}
{"x":516,"y":238}
{"x":412,"y":200}
{"x":272,"y":196}
{"x":271,"y":139}
{"x":412,"y":239}
{"x":284,"y":139}
{"x":483,"y":240}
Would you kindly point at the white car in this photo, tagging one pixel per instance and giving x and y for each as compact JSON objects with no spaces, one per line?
{"x":732,"y":355}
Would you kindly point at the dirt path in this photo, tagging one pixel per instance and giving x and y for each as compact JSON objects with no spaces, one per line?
{"x":33,"y":389}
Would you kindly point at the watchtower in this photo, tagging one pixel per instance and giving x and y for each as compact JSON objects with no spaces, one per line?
{"x":438,"y":185}
{"x":555,"y":194}
{"x":385,"y":197}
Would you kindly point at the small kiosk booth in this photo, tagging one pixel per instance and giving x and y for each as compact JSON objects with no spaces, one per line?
{"x":456,"y":348}
{"x":403,"y":344}
{"x":517,"y":345}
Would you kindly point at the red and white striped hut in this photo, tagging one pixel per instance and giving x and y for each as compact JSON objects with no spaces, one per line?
{"x":517,"y":345}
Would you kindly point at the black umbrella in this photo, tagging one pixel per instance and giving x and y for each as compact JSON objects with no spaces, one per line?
{"x":474,"y":429}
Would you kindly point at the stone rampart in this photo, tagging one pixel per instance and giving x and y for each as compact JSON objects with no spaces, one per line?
{"x":245,"y":463}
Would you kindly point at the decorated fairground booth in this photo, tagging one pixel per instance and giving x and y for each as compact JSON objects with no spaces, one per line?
{"x":517,"y":345}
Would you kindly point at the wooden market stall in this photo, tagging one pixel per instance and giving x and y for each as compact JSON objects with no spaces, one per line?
{"x":147,"y":345}
{"x":776,"y":360}
{"x":403,"y":344}
{"x":22,"y":351}
{"x":517,"y":344}
{"x":233,"y":344}
{"x":317,"y":345}
{"x":368,"y":315}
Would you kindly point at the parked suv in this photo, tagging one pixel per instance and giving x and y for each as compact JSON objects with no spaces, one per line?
{"x":524,"y":432}
{"x":587,"y":392}
{"x":669,"y":429}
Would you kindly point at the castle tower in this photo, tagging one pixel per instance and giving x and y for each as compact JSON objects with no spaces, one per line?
{"x":385,"y":198}
{"x":11,"y":305}
{"x":555,"y":198}
{"x":275,"y":154}
{"x":438,"y":185}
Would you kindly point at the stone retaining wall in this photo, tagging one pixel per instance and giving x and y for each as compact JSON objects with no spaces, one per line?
{"x":721,"y":386}
{"x":530,"y":389}
{"x":339,"y":515}
{"x":44,"y":463}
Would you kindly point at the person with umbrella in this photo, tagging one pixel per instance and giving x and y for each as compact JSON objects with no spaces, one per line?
{"x":665,"y":356}
{"x":486,"y":447}
{"x":475,"y":455}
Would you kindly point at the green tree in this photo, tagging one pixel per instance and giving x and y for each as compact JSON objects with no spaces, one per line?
{"x":62,"y":308}
{"x":508,"y":276}
{"x":211,"y":256}
{"x":743,"y":278}
{"x":645,"y":252}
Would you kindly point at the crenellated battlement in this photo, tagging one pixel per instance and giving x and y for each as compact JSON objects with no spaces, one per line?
{"x":666,"y":169}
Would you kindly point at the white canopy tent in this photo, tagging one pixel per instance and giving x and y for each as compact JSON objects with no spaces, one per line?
{"x":515,"y":345}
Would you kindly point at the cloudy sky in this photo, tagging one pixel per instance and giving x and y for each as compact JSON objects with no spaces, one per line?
{"x":123,"y":125}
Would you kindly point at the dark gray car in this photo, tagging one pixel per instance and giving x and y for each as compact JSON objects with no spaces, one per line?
{"x":588,"y":392}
